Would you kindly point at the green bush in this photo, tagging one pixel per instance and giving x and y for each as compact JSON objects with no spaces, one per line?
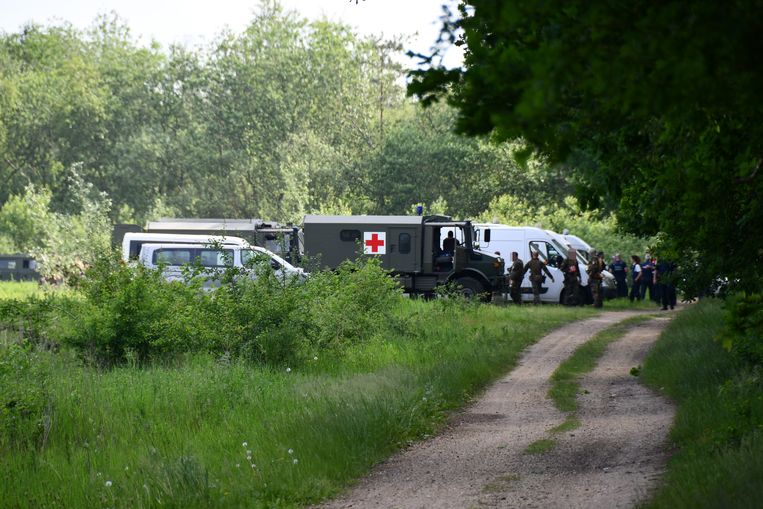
{"x":741,"y":334}
{"x":23,"y":398}
{"x":130,"y":312}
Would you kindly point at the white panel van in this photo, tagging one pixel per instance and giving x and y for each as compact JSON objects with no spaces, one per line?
{"x":506,"y":239}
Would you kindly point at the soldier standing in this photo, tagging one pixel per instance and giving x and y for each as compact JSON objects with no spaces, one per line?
{"x":572,"y":276}
{"x":516,"y":273}
{"x":595,"y":267}
{"x":536,"y":268}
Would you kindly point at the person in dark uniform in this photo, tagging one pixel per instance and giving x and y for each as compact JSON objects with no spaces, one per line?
{"x":595,"y":268}
{"x":571,"y":270}
{"x":636,"y":278}
{"x":647,"y":277}
{"x":536,"y":268}
{"x":516,"y":273}
{"x":619,"y":269}
{"x":665,"y":276}
{"x":449,"y":244}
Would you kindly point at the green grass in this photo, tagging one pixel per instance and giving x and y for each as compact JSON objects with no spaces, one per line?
{"x":569,"y":424}
{"x":179,"y":436}
{"x":18,"y":290}
{"x":623,"y":303}
{"x":540,"y":446}
{"x":565,"y":384}
{"x":718,"y":430}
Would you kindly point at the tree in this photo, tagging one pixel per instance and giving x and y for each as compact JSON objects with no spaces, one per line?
{"x":653,"y":108}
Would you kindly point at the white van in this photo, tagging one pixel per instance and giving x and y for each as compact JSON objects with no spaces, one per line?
{"x":175,"y":251}
{"x":582,"y":247}
{"x":608,"y":283}
{"x":133,"y":241}
{"x":506,"y":239}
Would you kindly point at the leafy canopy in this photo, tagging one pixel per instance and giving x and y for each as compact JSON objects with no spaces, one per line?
{"x":654,"y":108}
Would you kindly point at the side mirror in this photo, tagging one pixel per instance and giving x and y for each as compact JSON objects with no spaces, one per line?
{"x":487,"y":235}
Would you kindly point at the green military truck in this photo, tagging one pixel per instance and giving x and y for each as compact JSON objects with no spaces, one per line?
{"x":415,"y":248}
{"x":283,"y":240}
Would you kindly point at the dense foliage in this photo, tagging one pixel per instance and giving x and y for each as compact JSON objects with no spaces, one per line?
{"x":653,"y":108}
{"x":285,"y":118}
{"x":718,"y":460}
{"x":125,"y":313}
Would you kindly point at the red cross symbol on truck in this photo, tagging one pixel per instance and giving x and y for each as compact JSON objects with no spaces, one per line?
{"x":374,"y":243}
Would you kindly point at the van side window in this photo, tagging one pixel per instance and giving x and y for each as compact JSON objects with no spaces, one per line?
{"x":172,"y":256}
{"x":404,"y":243}
{"x":216,"y":257}
{"x":349,"y":235}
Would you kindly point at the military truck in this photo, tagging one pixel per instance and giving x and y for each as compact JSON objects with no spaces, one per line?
{"x":18,"y":267}
{"x":413,"y":247}
{"x":283,"y":240}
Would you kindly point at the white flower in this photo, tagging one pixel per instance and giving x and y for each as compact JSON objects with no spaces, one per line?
{"x":254,"y":466}
{"x":295,"y":461}
{"x":291,"y":451}
{"x":288,"y":370}
{"x":108,"y":484}
{"x":238,"y":465}
{"x":315,"y":358}
{"x":244,"y":445}
{"x":98,"y":474}
{"x":127,"y":468}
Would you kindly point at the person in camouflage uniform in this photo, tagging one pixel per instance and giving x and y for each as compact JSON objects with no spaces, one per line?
{"x":536,"y":268}
{"x":571,"y":270}
{"x":516,"y":273}
{"x":595,"y":268}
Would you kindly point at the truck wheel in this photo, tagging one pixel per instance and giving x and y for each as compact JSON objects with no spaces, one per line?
{"x":471,"y":288}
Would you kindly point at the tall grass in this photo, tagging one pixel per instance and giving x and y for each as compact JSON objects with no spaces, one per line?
{"x":209,"y":431}
{"x":718,"y":432}
{"x":18,"y":289}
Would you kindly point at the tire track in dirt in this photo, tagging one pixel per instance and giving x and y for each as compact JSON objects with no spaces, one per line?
{"x":617,"y":457}
{"x":479,"y":459}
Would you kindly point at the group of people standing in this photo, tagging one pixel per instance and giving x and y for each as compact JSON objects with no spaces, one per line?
{"x":657,"y":277}
{"x":571,"y":270}
{"x":652,"y":275}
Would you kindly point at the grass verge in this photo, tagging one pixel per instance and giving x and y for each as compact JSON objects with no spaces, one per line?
{"x":565,"y":384}
{"x":18,"y":289}
{"x":718,"y":431}
{"x":211,"y":432}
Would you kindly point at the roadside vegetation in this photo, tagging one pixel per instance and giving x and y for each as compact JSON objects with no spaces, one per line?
{"x":278,"y":401}
{"x":709,"y":362}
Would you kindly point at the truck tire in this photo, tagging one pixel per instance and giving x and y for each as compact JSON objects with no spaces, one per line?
{"x":471,"y":288}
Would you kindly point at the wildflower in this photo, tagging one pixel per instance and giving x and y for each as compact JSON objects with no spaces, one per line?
{"x":108,"y":484}
{"x":254,"y":466}
{"x":238,"y":465}
{"x":98,"y":474}
{"x":315,"y":358}
{"x":295,"y":461}
{"x":244,"y":445}
{"x":288,"y":370}
{"x":127,"y":468}
{"x":291,"y":451}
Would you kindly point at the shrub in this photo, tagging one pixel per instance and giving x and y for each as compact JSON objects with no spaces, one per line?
{"x":132,"y":312}
{"x":741,"y":334}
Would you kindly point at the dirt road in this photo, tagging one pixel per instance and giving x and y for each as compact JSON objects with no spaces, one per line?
{"x":613,"y":460}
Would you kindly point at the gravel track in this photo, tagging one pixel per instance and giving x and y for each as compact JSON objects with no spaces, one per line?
{"x":613,"y":460}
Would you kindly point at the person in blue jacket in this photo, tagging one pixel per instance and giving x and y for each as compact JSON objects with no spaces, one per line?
{"x":619,"y":269}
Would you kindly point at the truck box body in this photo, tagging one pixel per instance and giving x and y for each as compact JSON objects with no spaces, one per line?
{"x":284,"y":240}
